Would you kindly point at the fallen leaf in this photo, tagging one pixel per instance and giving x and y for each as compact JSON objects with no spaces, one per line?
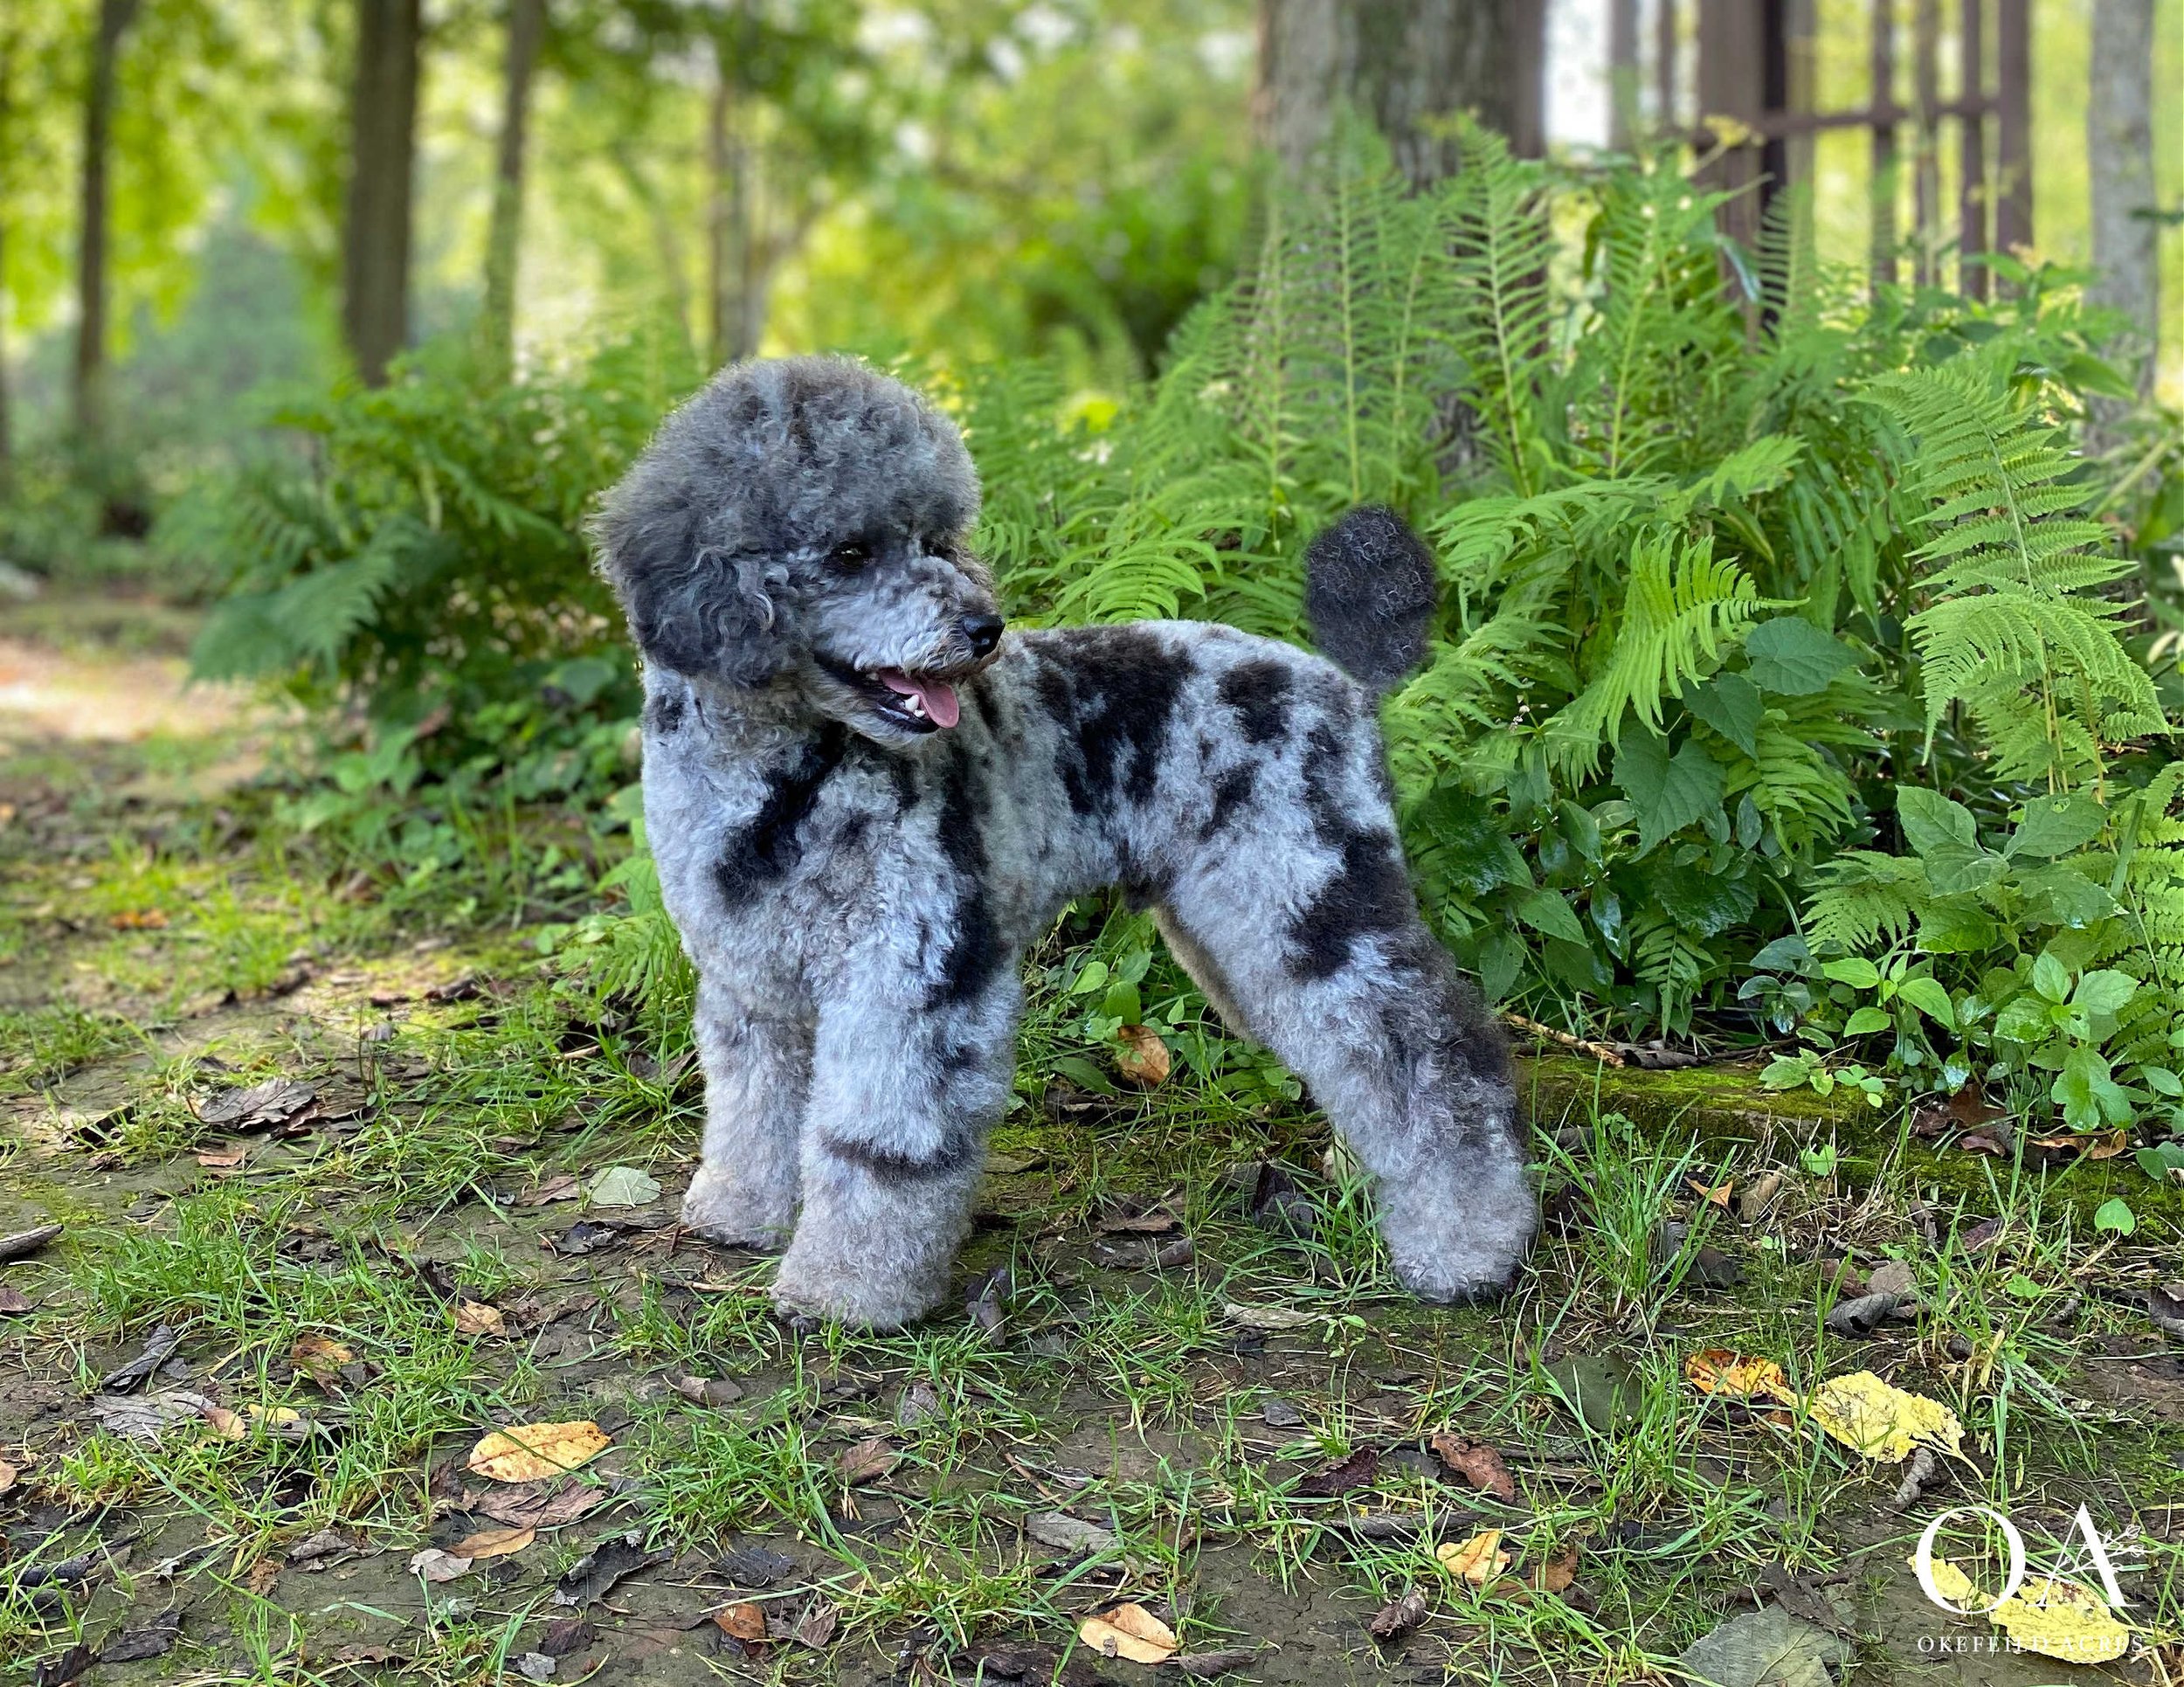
{"x":159,"y":1347}
{"x":815,"y":1629}
{"x":1477,"y":1560}
{"x":595,"y":1575}
{"x":1356,"y":1471}
{"x":1718,"y":1371}
{"x":1142,"y":1057}
{"x":1981,"y":1142}
{"x":13,"y":1300}
{"x":531,"y":1452}
{"x":752,"y":1567}
{"x":228,"y":1426}
{"x":476,"y":1318}
{"x":1278,"y":1413}
{"x":1128,"y":1631}
{"x":535,"y":1505}
{"x":1717,"y":1196}
{"x":744,"y":1620}
{"x":63,"y":1667}
{"x":1555,"y":1574}
{"x":494,"y":1543}
{"x":867,"y":1460}
{"x":707,"y":1391}
{"x":9,"y":1474}
{"x":1398,"y":1617}
{"x":561,"y":1186}
{"x":138,"y":919}
{"x":1139,"y":1224}
{"x":1759,"y":1196}
{"x":223,"y":1159}
{"x":281,"y":1422}
{"x":2062,"y":1620}
{"x":150,"y":1418}
{"x":2165,"y":1306}
{"x":1204,"y":1666}
{"x":321,"y":1359}
{"x":1477,"y":1463}
{"x":322,"y":1550}
{"x":566,"y":1635}
{"x":1001,"y":1164}
{"x":2106,"y":1148}
{"x":433,"y":1564}
{"x":1067,"y":1534}
{"x":1882,"y":1422}
{"x":24,"y":1243}
{"x":1860,"y":1317}
{"x":1268,"y":1317}
{"x":623,"y":1185}
{"x":919,"y":1403}
{"x":156,"y":1639}
{"x":1767,"y":1648}
{"x":274,"y":1101}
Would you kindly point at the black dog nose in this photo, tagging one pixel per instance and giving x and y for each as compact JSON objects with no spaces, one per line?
{"x":984,"y":632}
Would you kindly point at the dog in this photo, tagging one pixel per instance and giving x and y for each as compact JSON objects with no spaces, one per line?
{"x":866,"y":797}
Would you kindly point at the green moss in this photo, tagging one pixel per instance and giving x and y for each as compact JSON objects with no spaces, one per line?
{"x":1725,"y":1107}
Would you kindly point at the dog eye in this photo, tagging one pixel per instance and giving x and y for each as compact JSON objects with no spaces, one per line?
{"x":854,"y":553}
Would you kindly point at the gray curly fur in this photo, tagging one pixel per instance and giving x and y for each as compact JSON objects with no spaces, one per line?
{"x":856,"y":883}
{"x":1369,"y":590}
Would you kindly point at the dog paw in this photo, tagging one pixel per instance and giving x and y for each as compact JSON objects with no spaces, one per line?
{"x":716,"y":1209}
{"x":852,"y":1297}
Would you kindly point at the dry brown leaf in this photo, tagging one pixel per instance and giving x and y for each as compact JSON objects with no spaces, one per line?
{"x":867,"y":1461}
{"x":14,"y":1300}
{"x":1478,"y":1463}
{"x":8,"y":1475}
{"x":744,"y":1620}
{"x":1716,"y":1196}
{"x":531,"y":1452}
{"x":1477,"y":1560}
{"x":476,"y":1318}
{"x":1128,"y":1631}
{"x":1556,"y":1573}
{"x":2107,"y":1147}
{"x":1399,"y":1617}
{"x":321,"y":1359}
{"x":562,"y":1186}
{"x":224,"y":1159}
{"x":435,"y":1565}
{"x":138,"y":919}
{"x":1142,"y":1057}
{"x":228,"y":1426}
{"x":815,"y":1629}
{"x":494,"y":1543}
{"x":535,"y":1505}
{"x":262,"y":1576}
{"x":1718,"y":1371}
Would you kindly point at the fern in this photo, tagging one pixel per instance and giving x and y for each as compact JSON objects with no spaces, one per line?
{"x":2010,"y":631}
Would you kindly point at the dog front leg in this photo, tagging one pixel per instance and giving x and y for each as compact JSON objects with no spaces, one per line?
{"x":758,"y":1077}
{"x":894,"y":1139}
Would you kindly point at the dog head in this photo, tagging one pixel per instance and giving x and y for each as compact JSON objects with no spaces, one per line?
{"x":801,"y":522}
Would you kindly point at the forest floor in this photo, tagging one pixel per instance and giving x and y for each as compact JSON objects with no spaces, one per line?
{"x":343,"y":1186}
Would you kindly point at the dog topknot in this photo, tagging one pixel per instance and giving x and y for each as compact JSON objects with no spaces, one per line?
{"x":1370,"y":592}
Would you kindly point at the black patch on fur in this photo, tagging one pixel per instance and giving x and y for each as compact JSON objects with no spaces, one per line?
{"x":1114,"y":701}
{"x":1370,"y":892}
{"x":1259,"y":691}
{"x":664,"y":711}
{"x":763,"y":852}
{"x":974,"y":952}
{"x":903,"y":772}
{"x":1231,"y":791}
{"x":896,"y":1168}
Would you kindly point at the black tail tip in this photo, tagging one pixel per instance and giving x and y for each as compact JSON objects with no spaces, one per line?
{"x":1369,"y":590}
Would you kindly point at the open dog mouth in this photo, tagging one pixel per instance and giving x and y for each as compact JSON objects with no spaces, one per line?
{"x":920,"y":702}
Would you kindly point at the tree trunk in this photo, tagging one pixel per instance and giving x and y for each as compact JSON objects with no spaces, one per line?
{"x":1399,"y":63}
{"x":114,"y":19}
{"x":731,"y":249}
{"x":7,"y":179}
{"x":2120,"y":151}
{"x":504,"y":239}
{"x":376,"y":234}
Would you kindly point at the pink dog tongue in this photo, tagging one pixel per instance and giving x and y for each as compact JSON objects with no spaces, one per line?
{"x":941,"y":706}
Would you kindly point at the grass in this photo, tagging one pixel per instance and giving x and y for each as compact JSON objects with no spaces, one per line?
{"x":1123,"y":1392}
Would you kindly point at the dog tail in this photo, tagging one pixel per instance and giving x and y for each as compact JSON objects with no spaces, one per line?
{"x":1370,"y":592}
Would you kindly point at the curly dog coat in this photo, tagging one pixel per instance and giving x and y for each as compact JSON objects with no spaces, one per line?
{"x":866,"y":797}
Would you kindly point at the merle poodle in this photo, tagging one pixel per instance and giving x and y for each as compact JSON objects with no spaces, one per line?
{"x":866,"y":797}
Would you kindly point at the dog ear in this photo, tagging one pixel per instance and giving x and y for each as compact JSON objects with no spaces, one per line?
{"x":691,"y":608}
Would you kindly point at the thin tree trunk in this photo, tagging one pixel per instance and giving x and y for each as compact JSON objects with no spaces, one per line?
{"x":1399,"y":63}
{"x":734,"y":265}
{"x":719,"y":305}
{"x":7,"y":178}
{"x":114,"y":19}
{"x":376,"y":234}
{"x":504,"y":239}
{"x":2119,"y":150}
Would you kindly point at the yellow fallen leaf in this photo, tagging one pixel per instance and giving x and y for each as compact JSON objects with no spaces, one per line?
{"x":1142,"y":1057}
{"x":1717,"y":1195}
{"x":1869,"y":1416}
{"x":476,"y":1318}
{"x":1718,"y":1371}
{"x":494,"y":1543}
{"x":2062,"y":1620}
{"x":531,"y":1452}
{"x":1953,"y":1584}
{"x":1477,"y":1560}
{"x":1128,"y":1631}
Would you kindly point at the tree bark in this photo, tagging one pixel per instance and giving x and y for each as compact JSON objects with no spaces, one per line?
{"x":1401,"y":64}
{"x":114,"y":19}
{"x":376,"y":234}
{"x":7,"y":179}
{"x":504,"y":238}
{"x":2120,"y":151}
{"x":734,"y":265}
